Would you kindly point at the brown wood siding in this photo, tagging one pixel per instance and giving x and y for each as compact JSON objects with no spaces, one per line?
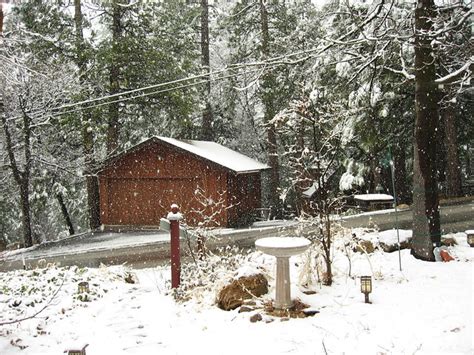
{"x":139,"y":188}
{"x":244,"y":197}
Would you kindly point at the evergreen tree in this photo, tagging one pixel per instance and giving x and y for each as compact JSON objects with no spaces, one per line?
{"x":28,"y":94}
{"x":207,"y":132}
{"x":82,"y":58}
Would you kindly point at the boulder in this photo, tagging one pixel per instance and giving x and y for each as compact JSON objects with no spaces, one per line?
{"x":364,"y":246}
{"x":389,"y":248}
{"x":448,"y":241}
{"x":244,"y":309}
{"x":244,"y":288}
{"x":257,"y":317}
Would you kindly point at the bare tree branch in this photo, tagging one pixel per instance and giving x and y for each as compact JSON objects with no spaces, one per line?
{"x":38,"y":312}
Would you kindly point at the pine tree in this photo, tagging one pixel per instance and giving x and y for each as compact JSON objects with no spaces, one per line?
{"x":426,"y":220}
{"x":207,"y":131}
{"x":92,"y":185}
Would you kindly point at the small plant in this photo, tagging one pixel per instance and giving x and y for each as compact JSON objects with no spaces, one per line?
{"x":318,"y":230}
{"x":130,"y":278}
{"x":209,"y":214}
{"x":84,"y":297}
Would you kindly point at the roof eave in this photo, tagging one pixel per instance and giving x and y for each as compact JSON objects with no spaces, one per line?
{"x":247,"y":171}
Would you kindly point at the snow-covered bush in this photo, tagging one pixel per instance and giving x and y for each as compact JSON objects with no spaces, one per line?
{"x":202,"y":280}
{"x":353,"y":178}
{"x":319,"y":231}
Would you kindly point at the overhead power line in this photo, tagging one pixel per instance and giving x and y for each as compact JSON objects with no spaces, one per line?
{"x":144,"y":95}
{"x":213,"y":76}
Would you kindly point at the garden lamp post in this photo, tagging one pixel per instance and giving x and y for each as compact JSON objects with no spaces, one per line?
{"x":82,"y":287}
{"x":470,"y":237}
{"x":174,"y":217}
{"x":366,"y":286}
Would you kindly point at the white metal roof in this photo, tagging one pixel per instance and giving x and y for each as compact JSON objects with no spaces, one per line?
{"x":374,"y":197}
{"x":218,"y":154}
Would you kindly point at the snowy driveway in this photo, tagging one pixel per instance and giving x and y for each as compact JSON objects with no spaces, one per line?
{"x":139,"y":248}
{"x":454,"y":218}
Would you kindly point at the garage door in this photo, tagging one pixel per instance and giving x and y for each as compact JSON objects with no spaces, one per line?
{"x":145,"y":201}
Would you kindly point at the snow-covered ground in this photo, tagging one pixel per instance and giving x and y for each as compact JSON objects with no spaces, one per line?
{"x":425,"y":309}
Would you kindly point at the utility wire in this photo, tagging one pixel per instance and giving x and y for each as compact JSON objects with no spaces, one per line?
{"x":269,"y":63}
{"x":146,"y":94}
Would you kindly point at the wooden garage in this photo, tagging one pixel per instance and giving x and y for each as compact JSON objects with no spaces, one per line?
{"x":213,"y":185}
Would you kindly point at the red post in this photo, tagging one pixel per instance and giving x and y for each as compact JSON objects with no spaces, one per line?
{"x":174,"y":216}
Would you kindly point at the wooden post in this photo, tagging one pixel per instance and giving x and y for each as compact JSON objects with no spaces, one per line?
{"x":174,"y":217}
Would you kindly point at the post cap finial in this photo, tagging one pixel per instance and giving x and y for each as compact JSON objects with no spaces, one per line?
{"x":174,"y":215}
{"x":174,"y":208}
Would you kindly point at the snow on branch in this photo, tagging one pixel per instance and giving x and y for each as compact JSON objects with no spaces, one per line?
{"x":451,"y":77}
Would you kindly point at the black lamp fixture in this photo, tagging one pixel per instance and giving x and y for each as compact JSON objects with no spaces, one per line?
{"x":82,"y":287}
{"x":470,"y":237}
{"x":366,"y":286}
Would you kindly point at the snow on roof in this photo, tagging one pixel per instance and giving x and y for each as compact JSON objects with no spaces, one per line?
{"x":218,"y":154}
{"x":374,"y":197}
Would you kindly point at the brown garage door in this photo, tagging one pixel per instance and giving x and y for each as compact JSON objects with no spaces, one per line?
{"x":145,"y":201}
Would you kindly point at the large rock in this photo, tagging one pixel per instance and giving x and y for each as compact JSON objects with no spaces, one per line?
{"x":246,"y":287}
{"x":390,"y":248}
{"x":364,"y":246}
{"x":448,"y":241}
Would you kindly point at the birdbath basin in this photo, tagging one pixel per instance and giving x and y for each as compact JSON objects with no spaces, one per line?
{"x":282,"y":248}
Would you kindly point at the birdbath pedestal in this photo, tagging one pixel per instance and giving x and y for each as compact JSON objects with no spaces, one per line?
{"x":282,"y":248}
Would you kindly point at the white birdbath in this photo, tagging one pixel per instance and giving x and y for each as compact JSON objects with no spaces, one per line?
{"x":282,"y":248}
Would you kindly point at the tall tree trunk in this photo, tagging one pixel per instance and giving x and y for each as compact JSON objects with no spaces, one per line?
{"x":65,"y":213}
{"x":207,"y":133}
{"x":468,"y":163}
{"x":25,"y":180}
{"x":426,"y":220}
{"x":113,"y":126}
{"x":25,"y":213}
{"x":453,"y":169}
{"x":269,"y":112}
{"x":1,"y":18}
{"x":302,"y":178}
{"x":92,"y":184}
{"x":21,"y":177}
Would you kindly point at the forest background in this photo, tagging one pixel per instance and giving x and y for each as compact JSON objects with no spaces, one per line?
{"x":326,"y":94}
